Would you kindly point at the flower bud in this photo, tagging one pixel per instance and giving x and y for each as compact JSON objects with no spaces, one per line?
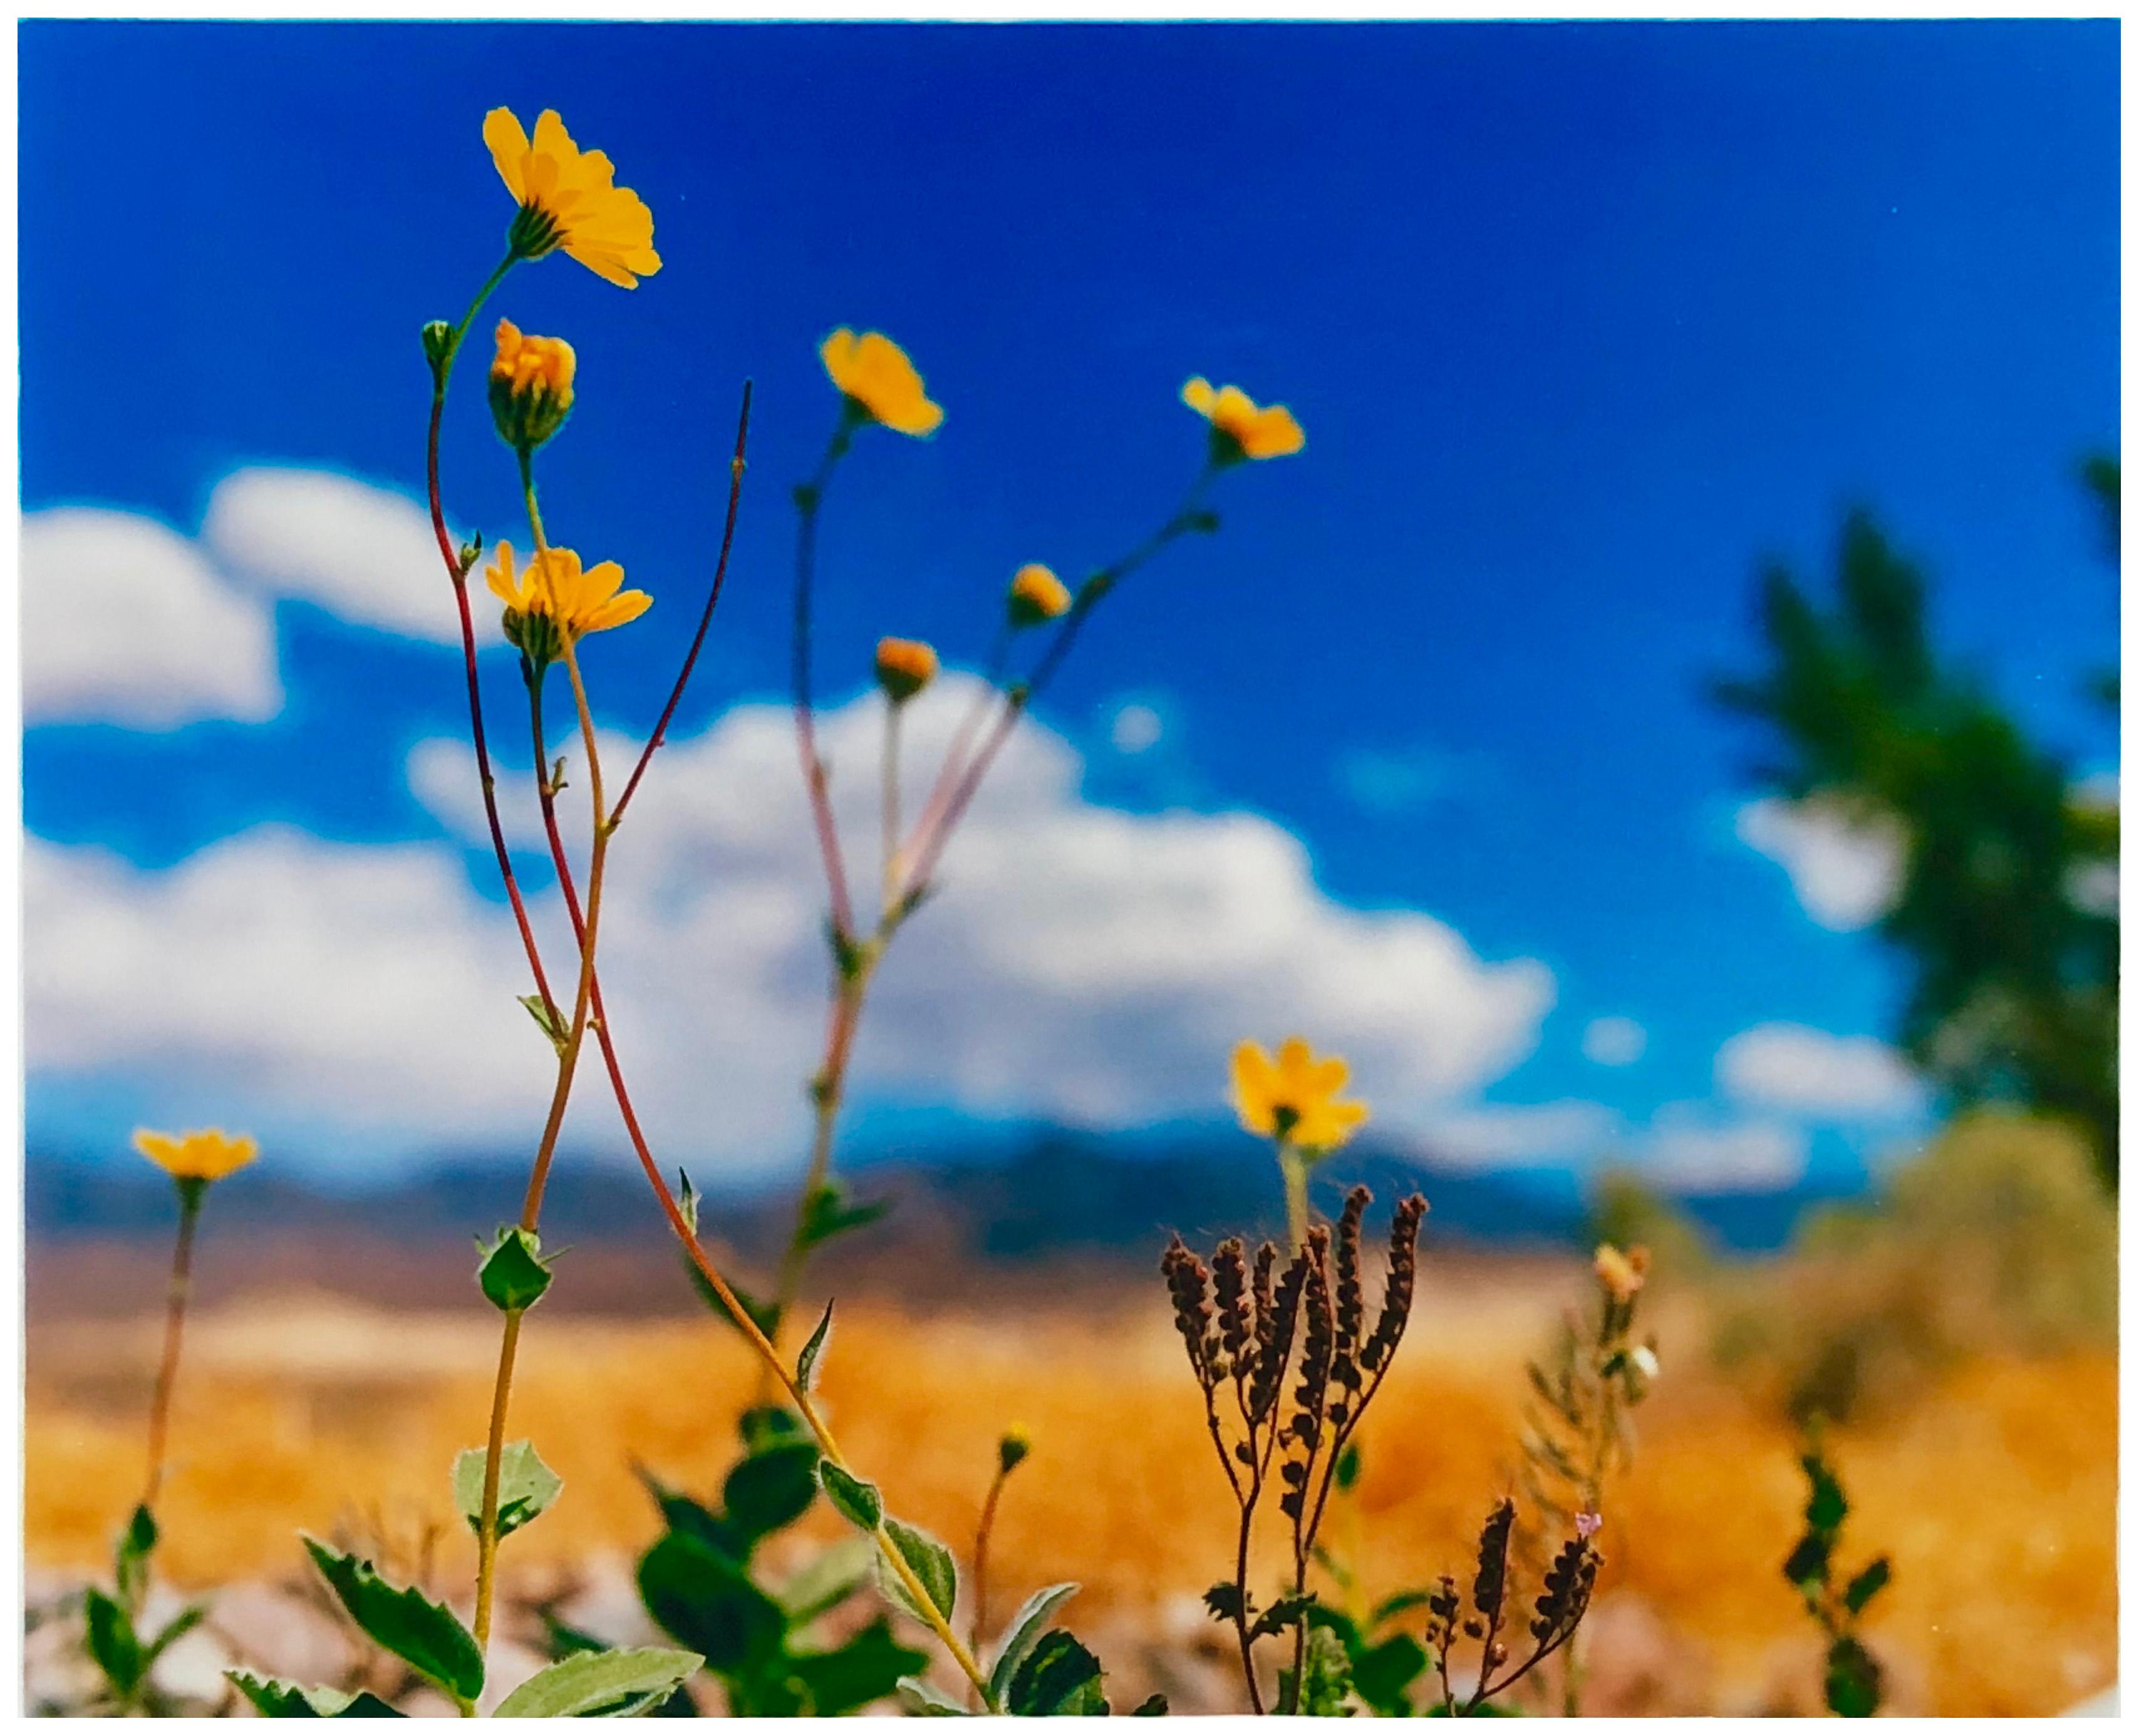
{"x":438,"y":345}
{"x":531,"y":386}
{"x":1036,"y":595}
{"x":904,"y":667}
{"x":1620,"y":1274}
{"x":1013,"y":1449}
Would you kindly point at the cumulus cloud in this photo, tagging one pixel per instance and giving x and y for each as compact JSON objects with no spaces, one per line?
{"x":1685,"y":1151}
{"x":1798,"y":1070}
{"x":1845,"y":868}
{"x":1614,"y":1041}
{"x":1081,"y":963}
{"x":124,"y":621}
{"x":362,"y":552}
{"x":1492,"y":1136}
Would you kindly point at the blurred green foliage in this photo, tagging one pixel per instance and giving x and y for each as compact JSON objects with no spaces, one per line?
{"x":2006,"y":911}
{"x":1997,"y":1237}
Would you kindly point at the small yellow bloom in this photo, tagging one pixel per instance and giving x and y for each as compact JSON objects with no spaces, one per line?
{"x":206,"y":1155}
{"x":1036,"y":595}
{"x":531,"y":386}
{"x":1240,"y":428}
{"x":879,"y":381}
{"x":904,"y":667}
{"x":1294,"y":1098}
{"x":556,"y":593}
{"x":1621,"y":1274}
{"x":569,"y":199}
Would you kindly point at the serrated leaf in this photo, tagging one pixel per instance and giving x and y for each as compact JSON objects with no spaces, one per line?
{"x":275,"y":1698}
{"x":933,"y":1565}
{"x":857,"y":1501}
{"x":770,"y":1489}
{"x":426,"y":1636}
{"x":866,"y":1668}
{"x":525,"y":1486}
{"x":924,"y":1701}
{"x":1282,"y":1614}
{"x":1058,"y":1679}
{"x":805,"y":1365}
{"x":513,"y":1274}
{"x":1024,"y":1631}
{"x":112,"y":1642}
{"x":1866,"y":1585}
{"x":705,"y":1601}
{"x":1223,"y":1601}
{"x":602,"y":1684}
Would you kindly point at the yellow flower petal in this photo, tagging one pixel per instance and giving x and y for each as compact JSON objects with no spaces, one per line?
{"x":569,"y":201}
{"x":1294,"y":1098}
{"x":507,"y":139}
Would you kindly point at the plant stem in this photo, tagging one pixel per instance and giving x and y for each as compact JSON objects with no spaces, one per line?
{"x":1294,"y":1167}
{"x":980,"y":1536}
{"x":1240,"y":1608}
{"x":191,"y":1193}
{"x":807,"y":499}
{"x":485,"y":1571}
{"x":890,"y":804}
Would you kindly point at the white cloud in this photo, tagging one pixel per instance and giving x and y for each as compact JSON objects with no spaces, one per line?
{"x":1493,"y":1135}
{"x":1136,"y":728}
{"x":1686,"y":1152}
{"x":1081,"y":963}
{"x":1798,"y":1070}
{"x":1614,"y":1041}
{"x":1847,"y":869}
{"x":123,"y":621}
{"x":365,"y":552}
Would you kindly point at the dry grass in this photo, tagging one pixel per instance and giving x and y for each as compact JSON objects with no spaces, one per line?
{"x":1995,"y":1495}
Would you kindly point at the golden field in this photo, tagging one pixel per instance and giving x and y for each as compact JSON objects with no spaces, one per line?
{"x":1993,"y":1490}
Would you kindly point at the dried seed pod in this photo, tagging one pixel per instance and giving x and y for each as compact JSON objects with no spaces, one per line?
{"x":1568,"y":1584}
{"x":1229,"y":1273}
{"x":1189,"y":1284}
{"x":1399,"y":1287}
{"x":1276,"y":1326}
{"x":1489,"y":1592}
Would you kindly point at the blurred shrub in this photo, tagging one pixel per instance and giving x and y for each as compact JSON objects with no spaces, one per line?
{"x":1998,"y":1237}
{"x":1626,"y":1211}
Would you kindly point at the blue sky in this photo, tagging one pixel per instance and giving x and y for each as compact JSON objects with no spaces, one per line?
{"x":1582,"y":322}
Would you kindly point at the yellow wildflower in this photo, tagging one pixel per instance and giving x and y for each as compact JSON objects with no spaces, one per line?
{"x":1294,"y":1098}
{"x":569,"y":199}
{"x":205,"y":1154}
{"x":1622,"y":1274}
{"x":1036,"y":595}
{"x":879,"y":381}
{"x":904,"y":667}
{"x":556,"y":593}
{"x":1240,"y":427}
{"x":531,"y":385}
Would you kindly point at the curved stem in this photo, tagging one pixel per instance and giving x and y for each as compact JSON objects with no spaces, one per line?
{"x":980,"y":1536}
{"x":190,"y":1196}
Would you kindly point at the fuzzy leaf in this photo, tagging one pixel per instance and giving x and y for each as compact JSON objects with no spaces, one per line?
{"x":686,"y":1200}
{"x":602,"y":1684}
{"x":512,"y":1273}
{"x":933,"y":1565}
{"x":525,"y":1486}
{"x":923,"y":1701}
{"x":426,"y":1636}
{"x":857,"y":1501}
{"x":1023,"y":1632}
{"x":1324,"y":1681}
{"x":805,"y":1365}
{"x":1058,"y":1679}
{"x":274,"y":1698}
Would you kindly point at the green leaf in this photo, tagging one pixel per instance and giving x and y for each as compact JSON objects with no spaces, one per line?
{"x":137,"y":1542}
{"x":1282,"y":1614}
{"x":1324,"y":1681}
{"x":704,"y":1600}
{"x":1866,"y":1585}
{"x":545,"y":1020}
{"x":1339,"y":1624}
{"x":1828,"y":1507}
{"x":865,"y":1670}
{"x":829,"y":1212}
{"x":764,"y":1426}
{"x":424,"y":1635}
{"x":924,"y":1701}
{"x":176,"y":1629}
{"x":566,"y":1640}
{"x":602,"y":1684}
{"x":1853,"y":1679}
{"x":113,"y":1643}
{"x":1223,"y":1601}
{"x":1382,"y":1673}
{"x":805,"y":1365}
{"x":692,"y":1518}
{"x":933,"y":1565}
{"x":1397,"y":1605}
{"x":1023,"y":1632}
{"x":512,"y":1273}
{"x":525,"y":1486}
{"x":1058,"y":1679}
{"x":275,"y":1698}
{"x":770,"y":1489}
{"x":857,"y":1501}
{"x":686,"y":1201}
{"x":1348,"y":1467}
{"x":827,"y":1579}
{"x":1154,"y":1706}
{"x":1807,"y":1568}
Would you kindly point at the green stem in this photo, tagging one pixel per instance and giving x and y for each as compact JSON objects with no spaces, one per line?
{"x":191,"y":1193}
{"x":1293,"y":1166}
